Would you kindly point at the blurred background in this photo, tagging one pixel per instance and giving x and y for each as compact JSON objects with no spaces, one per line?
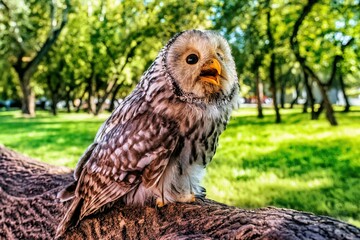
{"x":295,"y":141}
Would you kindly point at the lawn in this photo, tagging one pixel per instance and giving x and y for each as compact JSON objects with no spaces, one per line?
{"x":299,"y":164}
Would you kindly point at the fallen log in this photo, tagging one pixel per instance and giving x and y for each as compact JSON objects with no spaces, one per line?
{"x":30,"y":210}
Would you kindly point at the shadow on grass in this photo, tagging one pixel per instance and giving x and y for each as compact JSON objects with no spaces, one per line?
{"x":300,"y":164}
{"x":317,"y":177}
{"x":53,"y":140}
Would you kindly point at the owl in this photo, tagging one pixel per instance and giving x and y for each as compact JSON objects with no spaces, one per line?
{"x":155,"y":146}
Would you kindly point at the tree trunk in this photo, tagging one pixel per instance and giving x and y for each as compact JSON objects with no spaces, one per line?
{"x":309,"y":96}
{"x":297,"y":92}
{"x":295,"y":47}
{"x":259,"y":94}
{"x":319,"y":111}
{"x":28,"y":99}
{"x":113,"y":97}
{"x":68,"y":100}
{"x":90,"y":91}
{"x":283,"y":78}
{"x":272,"y":66}
{"x":54,"y":101}
{"x":327,"y":104}
{"x":30,"y":210}
{"x":273,"y":88}
{"x":342,"y":86}
{"x":282,"y":96}
{"x":54,"y":92}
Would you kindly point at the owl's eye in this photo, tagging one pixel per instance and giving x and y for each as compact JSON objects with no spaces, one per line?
{"x":220,"y":55}
{"x":192,"y":59}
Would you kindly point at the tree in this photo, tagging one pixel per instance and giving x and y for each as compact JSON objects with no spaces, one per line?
{"x":303,"y":60}
{"x":113,"y":40}
{"x":30,"y":43}
{"x":251,"y":25}
{"x":271,"y":49}
{"x":30,"y":210}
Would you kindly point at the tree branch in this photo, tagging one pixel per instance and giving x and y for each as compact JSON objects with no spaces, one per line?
{"x":5,"y":5}
{"x":30,"y":210}
{"x":306,"y":69}
{"x":14,"y":35}
{"x":30,"y":68}
{"x":337,"y":59}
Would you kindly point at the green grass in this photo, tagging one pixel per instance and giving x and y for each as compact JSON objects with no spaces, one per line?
{"x":299,"y":164}
{"x":56,"y":140}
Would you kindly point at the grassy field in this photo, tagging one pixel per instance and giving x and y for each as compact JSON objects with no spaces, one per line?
{"x":300,"y":164}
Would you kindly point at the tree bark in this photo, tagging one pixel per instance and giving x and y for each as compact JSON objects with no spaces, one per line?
{"x":30,"y":210}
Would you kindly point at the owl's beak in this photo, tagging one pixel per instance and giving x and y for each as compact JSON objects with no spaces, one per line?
{"x":210,"y":72}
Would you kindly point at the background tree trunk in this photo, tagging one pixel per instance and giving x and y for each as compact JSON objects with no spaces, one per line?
{"x":113,"y":97}
{"x":259,"y":88}
{"x":273,"y":87}
{"x":28,"y":96}
{"x":309,"y":96}
{"x":342,"y":86}
{"x":30,"y":210}
{"x":297,"y":91}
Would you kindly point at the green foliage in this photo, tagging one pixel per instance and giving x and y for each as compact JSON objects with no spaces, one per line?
{"x":329,"y":24}
{"x":300,"y":164}
{"x":108,"y":43}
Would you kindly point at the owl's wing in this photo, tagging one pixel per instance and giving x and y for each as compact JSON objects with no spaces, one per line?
{"x":130,"y":153}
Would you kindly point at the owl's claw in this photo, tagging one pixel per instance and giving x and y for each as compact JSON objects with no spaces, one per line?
{"x":160,"y":203}
{"x":187,"y":198}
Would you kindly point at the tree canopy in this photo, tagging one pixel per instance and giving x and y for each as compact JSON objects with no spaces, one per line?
{"x":87,"y":55}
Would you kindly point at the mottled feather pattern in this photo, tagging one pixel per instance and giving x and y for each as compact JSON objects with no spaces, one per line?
{"x":157,"y":143}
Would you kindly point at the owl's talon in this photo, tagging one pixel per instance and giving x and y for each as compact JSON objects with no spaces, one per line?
{"x":160,"y":203}
{"x":189,"y":198}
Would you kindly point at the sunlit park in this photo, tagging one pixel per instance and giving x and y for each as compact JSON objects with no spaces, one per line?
{"x":293,"y":143}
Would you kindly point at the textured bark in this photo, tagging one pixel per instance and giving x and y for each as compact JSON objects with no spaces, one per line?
{"x":29,"y":210}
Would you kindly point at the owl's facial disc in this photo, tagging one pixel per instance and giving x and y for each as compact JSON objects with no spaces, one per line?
{"x":200,"y":63}
{"x":210,"y":72}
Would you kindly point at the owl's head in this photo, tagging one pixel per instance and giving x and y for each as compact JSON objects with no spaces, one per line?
{"x":200,"y":64}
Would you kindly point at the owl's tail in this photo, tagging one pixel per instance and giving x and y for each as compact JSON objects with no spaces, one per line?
{"x":71,"y":217}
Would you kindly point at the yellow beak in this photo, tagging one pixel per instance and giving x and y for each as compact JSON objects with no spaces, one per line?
{"x":211,"y":72}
